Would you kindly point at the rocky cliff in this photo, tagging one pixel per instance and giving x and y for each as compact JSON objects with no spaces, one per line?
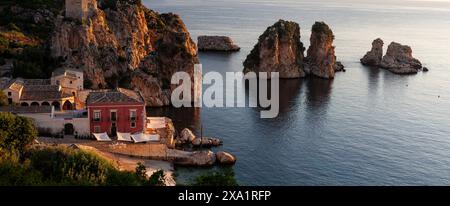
{"x":279,"y":49}
{"x":125,"y":39}
{"x":119,"y":43}
{"x":321,"y":59}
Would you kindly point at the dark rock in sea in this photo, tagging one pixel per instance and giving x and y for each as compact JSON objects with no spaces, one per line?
{"x":399,"y":60}
{"x":216,"y":43}
{"x":321,"y":59}
{"x":375,"y":55}
{"x":425,"y":69}
{"x":279,"y":49}
{"x":339,"y":67}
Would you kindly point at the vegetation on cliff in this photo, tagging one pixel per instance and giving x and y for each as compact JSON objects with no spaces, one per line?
{"x":25,"y":30}
{"x":216,"y":178}
{"x":322,"y":28}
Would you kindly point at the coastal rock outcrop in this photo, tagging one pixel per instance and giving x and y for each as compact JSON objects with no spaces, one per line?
{"x":225,"y":158}
{"x":123,"y":42}
{"x":279,"y":49}
{"x":200,"y":158}
{"x":399,"y":60}
{"x":375,"y":55}
{"x":187,"y":136}
{"x":206,"y":142}
{"x":216,"y":43}
{"x":321,"y":59}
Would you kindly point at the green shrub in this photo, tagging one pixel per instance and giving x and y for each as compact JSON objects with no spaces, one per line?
{"x":216,"y":178}
{"x":68,"y":166}
{"x":157,"y":179}
{"x":16,"y":132}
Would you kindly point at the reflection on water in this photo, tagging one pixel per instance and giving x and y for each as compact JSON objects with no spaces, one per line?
{"x":365,"y":127}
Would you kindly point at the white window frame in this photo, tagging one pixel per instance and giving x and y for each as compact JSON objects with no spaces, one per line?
{"x":99,"y":112}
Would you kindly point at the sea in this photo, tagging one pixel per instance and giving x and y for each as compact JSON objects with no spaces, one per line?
{"x":368,"y":126}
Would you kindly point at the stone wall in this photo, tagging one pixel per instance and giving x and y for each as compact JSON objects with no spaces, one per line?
{"x":56,"y":125}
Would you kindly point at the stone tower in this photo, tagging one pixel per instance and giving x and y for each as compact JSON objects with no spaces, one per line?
{"x":79,"y":9}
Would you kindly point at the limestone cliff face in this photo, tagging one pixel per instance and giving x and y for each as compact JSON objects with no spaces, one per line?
{"x":124,"y":38}
{"x":279,"y":49}
{"x":399,"y":60}
{"x":375,"y":55}
{"x":321,"y":59}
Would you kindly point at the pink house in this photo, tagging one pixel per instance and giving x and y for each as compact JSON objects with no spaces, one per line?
{"x":118,"y":110}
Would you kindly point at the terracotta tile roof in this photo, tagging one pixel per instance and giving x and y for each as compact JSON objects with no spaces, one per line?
{"x":34,"y":82}
{"x":115,"y":96}
{"x":43,"y":93}
{"x":24,"y":110}
{"x":15,"y":85}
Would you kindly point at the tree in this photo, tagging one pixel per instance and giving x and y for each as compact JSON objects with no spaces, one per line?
{"x":157,"y":179}
{"x":216,"y":178}
{"x":3,"y":99}
{"x":16,"y":132}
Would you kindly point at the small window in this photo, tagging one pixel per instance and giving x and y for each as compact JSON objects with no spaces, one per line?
{"x":97,"y":116}
{"x":9,"y":93}
{"x":133,"y":115}
{"x":133,"y":124}
{"x":97,"y":129}
{"x":70,"y":82}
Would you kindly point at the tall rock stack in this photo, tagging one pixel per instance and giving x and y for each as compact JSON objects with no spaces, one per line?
{"x":398,"y":58}
{"x":279,"y":49}
{"x":320,"y":59}
{"x":375,"y":55}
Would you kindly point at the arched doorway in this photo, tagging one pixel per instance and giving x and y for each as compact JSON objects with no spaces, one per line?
{"x":57,"y":105}
{"x":24,"y":104}
{"x":34,"y":104}
{"x":67,"y":105}
{"x":45,"y":104}
{"x":68,"y":129}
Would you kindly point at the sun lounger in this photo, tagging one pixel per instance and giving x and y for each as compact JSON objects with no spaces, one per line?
{"x":139,"y":138}
{"x":102,"y":137}
{"x":126,"y":137}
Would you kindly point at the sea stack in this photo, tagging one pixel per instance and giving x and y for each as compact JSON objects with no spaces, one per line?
{"x":279,"y":49}
{"x":216,"y":43}
{"x":375,"y":55}
{"x":321,"y":59}
{"x":399,"y":60}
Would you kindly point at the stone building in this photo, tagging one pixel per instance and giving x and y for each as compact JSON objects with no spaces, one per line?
{"x":79,"y":9}
{"x":70,"y":80}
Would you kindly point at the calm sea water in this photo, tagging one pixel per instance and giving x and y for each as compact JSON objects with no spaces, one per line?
{"x":366,"y":127}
